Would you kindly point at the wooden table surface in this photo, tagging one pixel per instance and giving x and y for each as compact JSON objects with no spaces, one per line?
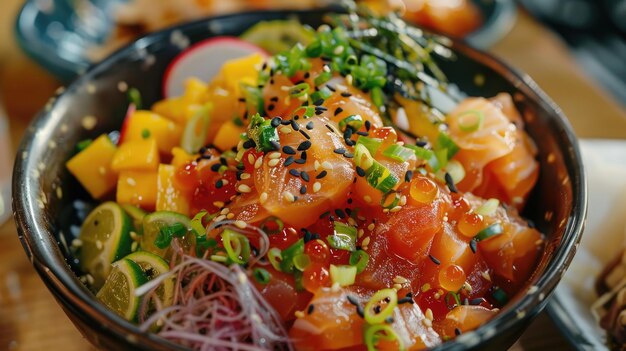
{"x":31,"y":320}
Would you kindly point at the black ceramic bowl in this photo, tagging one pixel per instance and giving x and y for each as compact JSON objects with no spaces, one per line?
{"x":48,"y":218}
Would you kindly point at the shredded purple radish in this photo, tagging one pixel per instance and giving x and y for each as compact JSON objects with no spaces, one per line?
{"x":215,"y":307}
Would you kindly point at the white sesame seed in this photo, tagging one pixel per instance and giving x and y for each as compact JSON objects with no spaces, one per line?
{"x":240,"y":224}
{"x":327,"y":165}
{"x":133,"y":246}
{"x":316,"y":165}
{"x":352,"y":222}
{"x":335,"y":287}
{"x":243,"y":188}
{"x":299,"y":314}
{"x":263,"y":197}
{"x":349,"y":79}
{"x":224,"y":211}
{"x":258,"y":163}
{"x":366,"y":241}
{"x":396,"y":209}
{"x":485,"y":275}
{"x":317,"y":186}
{"x":429,"y":314}
{"x":230,"y":216}
{"x":90,"y":279}
{"x":219,"y":218}
{"x":245,"y":176}
{"x":273,"y":163}
{"x":427,"y":322}
{"x":131,"y":181}
{"x":360,"y":233}
{"x":288,"y":196}
{"x":285,"y":130}
{"x":273,"y":155}
{"x":425,"y":287}
{"x":367,"y":199}
{"x":371,"y":227}
{"x":400,"y":280}
{"x":224,"y":182}
{"x":397,"y":286}
{"x":59,"y":193}
{"x":338,"y":50}
{"x":402,"y":200}
{"x":251,"y":159}
{"x":218,"y":204}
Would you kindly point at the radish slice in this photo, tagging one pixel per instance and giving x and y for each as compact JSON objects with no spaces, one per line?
{"x":203,"y":61}
{"x":129,"y":112}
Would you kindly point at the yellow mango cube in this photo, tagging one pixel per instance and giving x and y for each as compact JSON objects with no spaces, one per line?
{"x":137,"y":155}
{"x":169,"y":198}
{"x":92,"y":167}
{"x":137,"y":188}
{"x":181,"y":157}
{"x":195,"y":89}
{"x":173,"y":109}
{"x":228,"y":135}
{"x":245,"y":68}
{"x":146,"y":124}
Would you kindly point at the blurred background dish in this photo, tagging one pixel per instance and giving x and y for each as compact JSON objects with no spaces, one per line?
{"x":6,"y":161}
{"x":67,"y":36}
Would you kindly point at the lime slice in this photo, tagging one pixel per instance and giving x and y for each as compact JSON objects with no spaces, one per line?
{"x":136,"y":215}
{"x":105,"y":237}
{"x":278,"y":36}
{"x":153,"y":266}
{"x":152,"y":225}
{"x":196,"y":130}
{"x":118,"y":291}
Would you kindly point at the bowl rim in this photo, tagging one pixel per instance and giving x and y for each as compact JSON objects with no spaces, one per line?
{"x":45,"y":255}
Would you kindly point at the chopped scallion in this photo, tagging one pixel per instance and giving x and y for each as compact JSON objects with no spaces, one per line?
{"x":342,"y":274}
{"x":492,"y":230}
{"x":359,"y":259}
{"x":398,"y":153}
{"x":344,"y":237}
{"x":471,"y":120}
{"x":237,"y":246}
{"x":354,"y":121}
{"x":381,"y":306}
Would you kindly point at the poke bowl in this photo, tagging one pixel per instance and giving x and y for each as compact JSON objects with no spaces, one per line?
{"x":54,"y":198}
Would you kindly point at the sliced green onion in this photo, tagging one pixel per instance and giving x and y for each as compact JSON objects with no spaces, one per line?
{"x":379,"y":177}
{"x":145,"y":133}
{"x":500,"y":296}
{"x":488,"y":208}
{"x":237,"y":246}
{"x":196,"y":223}
{"x":455,"y":169}
{"x":359,"y":259}
{"x":378,"y":97}
{"x":254,"y":98}
{"x":398,"y":153}
{"x":167,"y":233}
{"x":287,"y":256}
{"x":344,"y":237}
{"x":322,"y":78}
{"x":272,"y":225}
{"x":444,"y":142}
{"x":362,"y":156}
{"x":471,"y":120}
{"x":372,"y":144}
{"x":455,"y":296}
{"x":390,"y":200}
{"x":492,"y":230}
{"x":374,"y":333}
{"x":354,"y":121}
{"x":386,"y":300}
{"x":301,"y":261}
{"x":323,"y":93}
{"x":314,"y":49}
{"x":274,"y":255}
{"x":299,"y":90}
{"x":134,"y":96}
{"x":82,"y":145}
{"x":342,"y":274}
{"x":261,"y":275}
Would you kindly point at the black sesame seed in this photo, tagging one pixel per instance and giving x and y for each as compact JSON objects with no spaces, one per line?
{"x":316,"y":236}
{"x":289,"y":161}
{"x":347,"y":134}
{"x":348,"y":211}
{"x":338,"y":110}
{"x":457,"y":331}
{"x":362,"y":133}
{"x":285,"y":122}
{"x":360,"y":171}
{"x":349,"y":201}
{"x":307,"y":75}
{"x":346,"y":94}
{"x":272,"y":81}
{"x":435,"y":260}
{"x":304,"y":134}
{"x":476,"y":301}
{"x":389,"y":320}
{"x":242,"y":99}
{"x":318,"y":102}
{"x":310,"y":309}
{"x":421,"y":143}
{"x":340,"y":151}
{"x":324,"y":214}
{"x":219,"y":183}
{"x":295,"y":125}
{"x":309,"y":125}
{"x":348,"y":155}
{"x":318,"y":112}
{"x":274,"y":99}
{"x":368,"y":125}
{"x":321,"y":175}
{"x":305,"y":176}
{"x":472,"y":245}
{"x":408,"y":176}
{"x":240,"y":166}
{"x":270,"y":107}
{"x":307,"y":236}
{"x":377,"y":309}
{"x":305,"y":145}
{"x":289,"y":150}
{"x":339,"y":212}
{"x":303,"y":189}
{"x":275,"y":121}
{"x":350,"y":142}
{"x":450,"y":183}
{"x":296,"y":117}
{"x":215,"y":167}
{"x":294,"y":172}
{"x":300,"y":161}
{"x":331,"y":88}
{"x":223,"y":161}
{"x":321,"y":108}
{"x":329,"y":128}
{"x":303,"y":155}
{"x":353,"y":300}
{"x":406,"y":299}
{"x":248,"y":144}
{"x":359,"y":311}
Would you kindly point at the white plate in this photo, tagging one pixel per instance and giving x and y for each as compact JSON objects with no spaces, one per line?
{"x":604,"y":237}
